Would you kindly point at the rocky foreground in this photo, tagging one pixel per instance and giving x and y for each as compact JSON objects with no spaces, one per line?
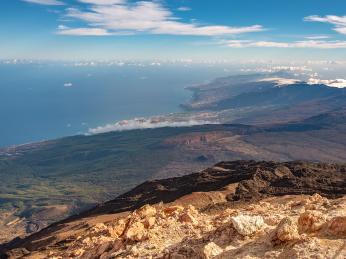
{"x":241,"y":209}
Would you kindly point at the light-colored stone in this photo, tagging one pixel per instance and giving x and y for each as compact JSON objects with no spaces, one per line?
{"x":316,"y":198}
{"x":211,"y":250}
{"x":247,"y":225}
{"x":99,"y":227}
{"x":119,"y":228}
{"x":136,"y":232}
{"x":286,"y":231}
{"x":210,"y":233}
{"x":78,"y":252}
{"x":192,"y":210}
{"x":146,"y":211}
{"x":134,"y":251}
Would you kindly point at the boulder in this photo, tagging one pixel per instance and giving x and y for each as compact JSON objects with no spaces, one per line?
{"x":119,"y":228}
{"x":146,"y":211}
{"x":211,"y":250}
{"x":247,"y":225}
{"x":136,"y":232}
{"x":286,"y":231}
{"x":311,"y":221}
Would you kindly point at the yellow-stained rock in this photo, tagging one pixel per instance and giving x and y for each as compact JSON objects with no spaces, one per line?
{"x":146,"y":211}
{"x":119,"y":228}
{"x":286,"y":231}
{"x":136,"y":232}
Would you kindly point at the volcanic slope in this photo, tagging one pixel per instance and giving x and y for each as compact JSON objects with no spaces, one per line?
{"x":238,"y":209}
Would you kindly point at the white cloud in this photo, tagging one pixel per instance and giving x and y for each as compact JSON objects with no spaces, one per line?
{"x":317,"y":44}
{"x":338,"y":83}
{"x":184,"y":9}
{"x":273,"y":69}
{"x":279,"y":81}
{"x":102,"y":2}
{"x":68,"y":84}
{"x":83,"y":31}
{"x":62,"y":27}
{"x":339,"y":22}
{"x":117,"y":17}
{"x":143,"y":123}
{"x":341,"y":30}
{"x":45,"y":2}
{"x":318,"y":37}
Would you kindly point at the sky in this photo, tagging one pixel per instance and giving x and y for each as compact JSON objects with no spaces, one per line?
{"x":236,"y":30}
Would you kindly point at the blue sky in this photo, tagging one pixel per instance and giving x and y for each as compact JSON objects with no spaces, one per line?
{"x":173,"y":29}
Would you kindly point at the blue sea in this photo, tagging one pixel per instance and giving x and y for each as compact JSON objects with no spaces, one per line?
{"x":40,"y":101}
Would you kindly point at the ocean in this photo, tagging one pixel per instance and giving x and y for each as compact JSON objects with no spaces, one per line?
{"x":40,"y":101}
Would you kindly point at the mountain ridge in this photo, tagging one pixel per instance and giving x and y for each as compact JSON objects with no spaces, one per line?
{"x":251,"y":181}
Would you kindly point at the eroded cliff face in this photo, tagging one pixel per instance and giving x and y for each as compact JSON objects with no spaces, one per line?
{"x":240,"y":209}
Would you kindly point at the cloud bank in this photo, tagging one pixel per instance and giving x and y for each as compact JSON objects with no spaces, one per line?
{"x":102,"y":17}
{"x":280,"y":81}
{"x":143,"y":123}
{"x":317,"y":44}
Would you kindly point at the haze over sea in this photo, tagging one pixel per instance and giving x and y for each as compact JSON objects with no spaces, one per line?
{"x":51,"y":100}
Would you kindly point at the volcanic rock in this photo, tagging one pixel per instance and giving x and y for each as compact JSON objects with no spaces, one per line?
{"x":240,"y":209}
{"x":286,"y":231}
{"x":247,"y":225}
